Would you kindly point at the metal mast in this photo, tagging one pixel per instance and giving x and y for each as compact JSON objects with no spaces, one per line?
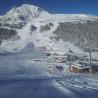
{"x":90,"y":56}
{"x":90,"y":62}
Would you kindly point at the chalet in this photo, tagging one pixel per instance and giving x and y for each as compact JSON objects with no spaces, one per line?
{"x":79,"y":68}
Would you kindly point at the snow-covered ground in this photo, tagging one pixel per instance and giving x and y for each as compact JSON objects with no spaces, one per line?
{"x":33,"y":63}
{"x":22,"y":63}
{"x":42,"y":88}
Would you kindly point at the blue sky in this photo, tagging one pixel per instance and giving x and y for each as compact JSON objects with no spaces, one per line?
{"x":55,"y":6}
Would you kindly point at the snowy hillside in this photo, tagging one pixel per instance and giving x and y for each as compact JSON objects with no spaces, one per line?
{"x":31,"y":24}
{"x":50,"y":33}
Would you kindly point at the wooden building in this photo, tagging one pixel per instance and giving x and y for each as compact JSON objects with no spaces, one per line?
{"x":78,"y":68}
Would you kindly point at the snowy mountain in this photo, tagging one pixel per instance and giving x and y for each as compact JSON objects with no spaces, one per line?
{"x":57,"y":33}
{"x":30,"y":40}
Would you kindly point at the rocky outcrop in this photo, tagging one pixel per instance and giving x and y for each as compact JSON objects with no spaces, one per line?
{"x":6,"y":33}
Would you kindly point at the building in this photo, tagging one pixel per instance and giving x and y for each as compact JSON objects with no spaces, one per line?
{"x":79,"y":68}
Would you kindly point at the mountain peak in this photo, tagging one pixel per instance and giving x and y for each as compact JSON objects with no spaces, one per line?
{"x":26,"y":10}
{"x":29,"y":6}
